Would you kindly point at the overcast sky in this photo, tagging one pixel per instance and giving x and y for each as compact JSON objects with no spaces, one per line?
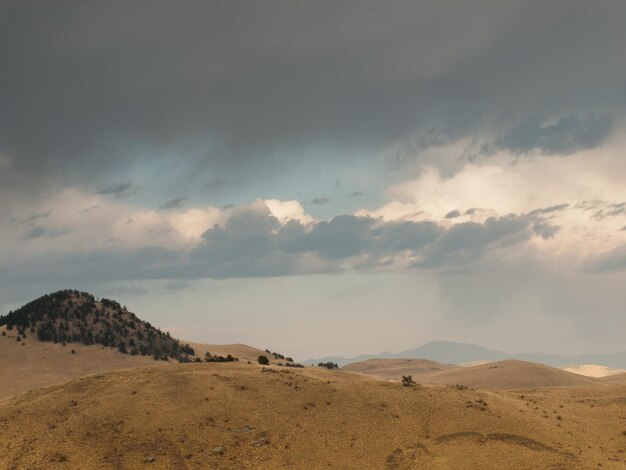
{"x":331,"y":177}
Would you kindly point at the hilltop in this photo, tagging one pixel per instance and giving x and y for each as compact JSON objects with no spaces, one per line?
{"x":236,"y":415}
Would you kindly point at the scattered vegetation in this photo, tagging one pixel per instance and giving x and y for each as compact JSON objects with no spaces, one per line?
{"x":70,"y":316}
{"x":293,"y":364}
{"x":208,"y":357}
{"x":279,"y":356}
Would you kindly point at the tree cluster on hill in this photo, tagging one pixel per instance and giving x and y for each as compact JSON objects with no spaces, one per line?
{"x":328,"y":365}
{"x":70,"y":316}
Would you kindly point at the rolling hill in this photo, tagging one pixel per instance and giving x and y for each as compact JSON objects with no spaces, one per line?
{"x":235,"y":415}
{"x":501,"y":375}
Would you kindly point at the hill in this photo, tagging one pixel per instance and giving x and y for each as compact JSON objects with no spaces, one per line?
{"x":70,"y":316}
{"x":449,"y":352}
{"x":395,"y":368}
{"x":501,"y":375}
{"x":235,"y":415}
{"x":511,"y":374}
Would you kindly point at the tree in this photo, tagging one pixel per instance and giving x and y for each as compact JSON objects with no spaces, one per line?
{"x":263,"y":360}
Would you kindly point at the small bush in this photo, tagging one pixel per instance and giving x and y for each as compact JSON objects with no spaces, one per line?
{"x":407,"y":380}
{"x":263,"y":360}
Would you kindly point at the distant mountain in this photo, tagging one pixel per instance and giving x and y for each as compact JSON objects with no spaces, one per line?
{"x":448,"y":352}
{"x":70,"y":316}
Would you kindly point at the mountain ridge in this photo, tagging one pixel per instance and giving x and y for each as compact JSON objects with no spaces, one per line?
{"x":449,"y":352}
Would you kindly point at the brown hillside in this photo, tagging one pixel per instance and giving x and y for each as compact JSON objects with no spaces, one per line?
{"x":36,"y":364}
{"x":387,"y":369}
{"x":237,"y":416}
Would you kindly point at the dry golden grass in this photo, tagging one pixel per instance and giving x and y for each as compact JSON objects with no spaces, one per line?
{"x":502,"y":375}
{"x":615,"y":379}
{"x":235,"y":416}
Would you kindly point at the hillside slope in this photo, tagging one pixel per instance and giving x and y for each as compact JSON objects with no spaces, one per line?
{"x":615,"y":379}
{"x":237,"y":416}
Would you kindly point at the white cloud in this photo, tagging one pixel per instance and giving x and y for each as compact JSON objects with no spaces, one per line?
{"x":285,"y":211}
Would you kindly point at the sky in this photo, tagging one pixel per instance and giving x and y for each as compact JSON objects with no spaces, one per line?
{"x":322,"y":178}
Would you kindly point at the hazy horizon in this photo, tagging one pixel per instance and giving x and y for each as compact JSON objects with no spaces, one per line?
{"x":323,"y":178}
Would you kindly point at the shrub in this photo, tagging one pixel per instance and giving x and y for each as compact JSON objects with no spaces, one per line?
{"x":263,"y":360}
{"x":407,"y":380}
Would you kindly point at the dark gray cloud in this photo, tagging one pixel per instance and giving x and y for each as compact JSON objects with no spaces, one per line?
{"x":320,"y":201}
{"x":453,"y":214}
{"x":567,"y":135}
{"x":174,"y":203}
{"x":92,"y":89}
{"x":35,"y":232}
{"x":39,"y":216}
{"x":118,"y":190}
{"x":614,"y":260}
{"x":545,"y":230}
{"x":39,"y":231}
{"x":549,"y":210}
{"x":253,"y":243}
{"x":465,"y":243}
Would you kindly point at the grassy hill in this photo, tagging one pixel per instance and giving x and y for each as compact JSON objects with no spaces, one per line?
{"x":235,"y":415}
{"x":70,"y":316}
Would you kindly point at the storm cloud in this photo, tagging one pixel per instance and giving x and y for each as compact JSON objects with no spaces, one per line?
{"x":95,"y":88}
